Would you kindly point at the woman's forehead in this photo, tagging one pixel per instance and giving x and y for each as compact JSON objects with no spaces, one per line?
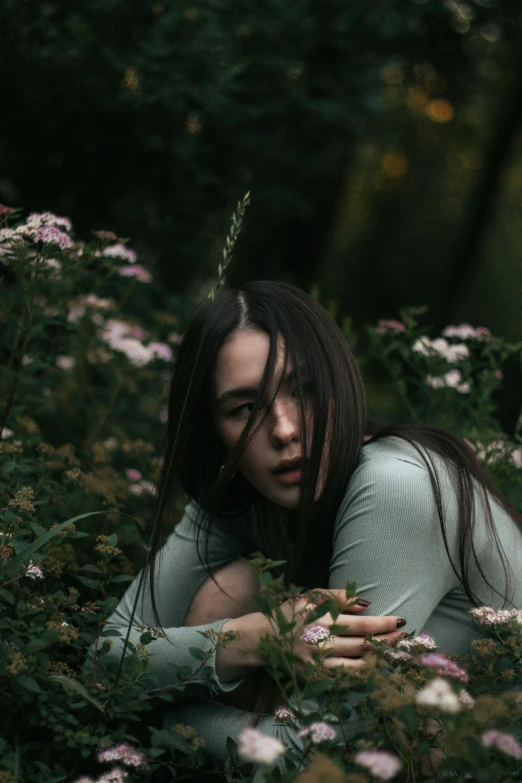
{"x":242,"y":359}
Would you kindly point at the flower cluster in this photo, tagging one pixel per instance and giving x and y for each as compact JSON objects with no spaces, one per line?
{"x":120,"y":336}
{"x":451,"y":380}
{"x":485,"y":615}
{"x":124,"y":753}
{"x":444,"y":666}
{"x":440,"y":347}
{"x":316,"y":633}
{"x":380,"y":763}
{"x":403,"y":648}
{"x":117,"y":251}
{"x":318,"y":732}
{"x":503,"y":742}
{"x":395,"y":327}
{"x":467,"y":332}
{"x":259,"y":748}
{"x":439,"y":694}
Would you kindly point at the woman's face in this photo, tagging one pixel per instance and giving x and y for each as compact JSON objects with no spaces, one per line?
{"x":271,"y":459}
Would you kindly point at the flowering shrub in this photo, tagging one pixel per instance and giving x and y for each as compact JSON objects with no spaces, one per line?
{"x":86,"y":342}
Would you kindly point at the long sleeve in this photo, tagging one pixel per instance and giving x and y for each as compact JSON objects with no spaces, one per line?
{"x":388,"y":540}
{"x":179,"y":574}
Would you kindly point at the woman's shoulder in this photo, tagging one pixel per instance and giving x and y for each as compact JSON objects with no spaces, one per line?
{"x":392,"y":453}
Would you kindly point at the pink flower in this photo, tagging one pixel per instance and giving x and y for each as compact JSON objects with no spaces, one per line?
{"x":380,"y":763}
{"x":257,"y":747}
{"x":161,"y":351}
{"x":138,"y":271}
{"x":137,"y":333}
{"x":115,"y":775}
{"x":316,"y":633}
{"x":319,"y":732}
{"x":50,"y":235}
{"x":504,"y":742}
{"x":119,"y":251}
{"x":390,"y":326}
{"x":39,"y":219}
{"x":106,"y":236}
{"x":6,"y":210}
{"x":124,"y":753}
{"x":466,"y":332}
{"x":132,"y":474}
{"x":445,"y":666}
{"x":283,"y":714}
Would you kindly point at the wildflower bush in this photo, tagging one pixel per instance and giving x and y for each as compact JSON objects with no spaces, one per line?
{"x":86,"y":342}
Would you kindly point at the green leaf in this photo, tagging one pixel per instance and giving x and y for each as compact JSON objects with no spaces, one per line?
{"x":198,"y":654}
{"x":25,"y":555}
{"x":36,"y":645}
{"x":314,"y":689}
{"x":27,"y":682}
{"x":121,"y":578}
{"x":71,"y":686}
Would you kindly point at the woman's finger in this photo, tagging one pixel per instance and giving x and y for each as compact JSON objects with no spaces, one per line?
{"x":352,"y":664}
{"x":352,"y":646}
{"x":354,"y":604}
{"x":364,"y":626}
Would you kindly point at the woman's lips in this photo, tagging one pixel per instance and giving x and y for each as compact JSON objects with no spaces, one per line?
{"x":292,"y":476}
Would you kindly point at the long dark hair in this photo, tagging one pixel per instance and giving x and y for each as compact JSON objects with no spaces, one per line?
{"x":197,"y":464}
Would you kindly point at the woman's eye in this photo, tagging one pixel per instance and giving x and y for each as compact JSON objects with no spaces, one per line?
{"x":242,"y":411}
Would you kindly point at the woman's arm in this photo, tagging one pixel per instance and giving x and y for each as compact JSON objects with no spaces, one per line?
{"x":179,"y":575}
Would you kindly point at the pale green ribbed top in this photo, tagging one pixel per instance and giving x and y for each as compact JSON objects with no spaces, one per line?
{"x":387,"y":540}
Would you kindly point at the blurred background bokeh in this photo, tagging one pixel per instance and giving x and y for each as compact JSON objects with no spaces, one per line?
{"x":381,"y":142}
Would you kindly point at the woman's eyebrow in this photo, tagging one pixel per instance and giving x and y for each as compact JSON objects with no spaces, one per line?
{"x":240,"y":392}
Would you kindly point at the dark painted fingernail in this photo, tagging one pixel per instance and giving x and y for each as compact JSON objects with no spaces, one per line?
{"x":400,"y":622}
{"x":361,"y":602}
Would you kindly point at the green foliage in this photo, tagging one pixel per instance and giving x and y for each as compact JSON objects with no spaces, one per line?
{"x":83,"y":383}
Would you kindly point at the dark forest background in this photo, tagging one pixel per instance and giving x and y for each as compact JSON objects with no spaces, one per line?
{"x":381,"y":141}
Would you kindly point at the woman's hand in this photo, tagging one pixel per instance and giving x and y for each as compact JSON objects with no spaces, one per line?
{"x":345,"y":646}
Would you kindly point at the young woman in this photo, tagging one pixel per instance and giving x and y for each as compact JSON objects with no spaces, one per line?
{"x":268,"y":437}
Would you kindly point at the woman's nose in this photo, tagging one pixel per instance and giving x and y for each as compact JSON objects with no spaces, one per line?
{"x":284,"y":422}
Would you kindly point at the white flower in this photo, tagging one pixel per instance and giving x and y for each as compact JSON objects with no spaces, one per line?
{"x":283,"y":714}
{"x":116,"y":775}
{"x":110,"y":443}
{"x":119,"y":251}
{"x":65,"y":362}
{"x":257,"y":747}
{"x":452,"y":380}
{"x":442,"y":348}
{"x":423,"y":640}
{"x":466,"y":332}
{"x":5,"y":433}
{"x":318,"y":731}
{"x":381,"y":763}
{"x":124,"y":753}
{"x":397,"y":655}
{"x":438,"y":693}
{"x":485,"y":615}
{"x":34,"y":571}
{"x":466,"y":700}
